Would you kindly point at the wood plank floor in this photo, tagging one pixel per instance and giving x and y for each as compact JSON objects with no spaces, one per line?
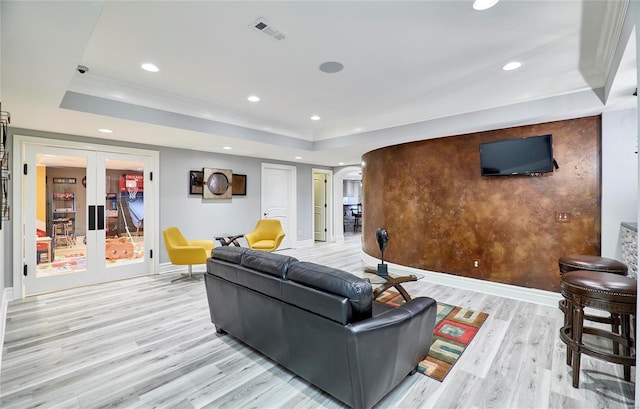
{"x":149,"y":343}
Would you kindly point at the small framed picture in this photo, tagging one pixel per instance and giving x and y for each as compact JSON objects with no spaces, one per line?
{"x":217,"y":183}
{"x":195,"y":182}
{"x":239,"y":184}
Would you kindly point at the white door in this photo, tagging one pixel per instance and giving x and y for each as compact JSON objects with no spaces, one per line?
{"x":320,"y":207}
{"x":278,"y":198}
{"x":80,"y":225}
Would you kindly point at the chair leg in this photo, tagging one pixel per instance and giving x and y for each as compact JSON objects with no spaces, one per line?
{"x":188,"y":276}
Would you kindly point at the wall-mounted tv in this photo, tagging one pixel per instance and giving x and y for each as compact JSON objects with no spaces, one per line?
{"x":523,"y":156}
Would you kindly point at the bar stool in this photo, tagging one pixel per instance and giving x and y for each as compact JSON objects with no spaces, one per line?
{"x":593,"y":263}
{"x":608,"y":292}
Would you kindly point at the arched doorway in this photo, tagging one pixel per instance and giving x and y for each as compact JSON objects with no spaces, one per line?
{"x":339,"y":177}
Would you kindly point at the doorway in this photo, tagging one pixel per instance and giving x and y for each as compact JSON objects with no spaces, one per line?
{"x":88,"y":216}
{"x":322,"y":205}
{"x":347,"y":196}
{"x":278,"y":199}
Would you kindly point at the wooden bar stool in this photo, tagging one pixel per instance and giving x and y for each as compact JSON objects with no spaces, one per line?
{"x":593,"y":263}
{"x":608,"y":292}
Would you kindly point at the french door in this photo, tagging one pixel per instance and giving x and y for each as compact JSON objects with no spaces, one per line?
{"x":83,"y":217}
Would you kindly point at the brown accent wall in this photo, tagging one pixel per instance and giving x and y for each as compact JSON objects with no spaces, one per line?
{"x":442,"y":215}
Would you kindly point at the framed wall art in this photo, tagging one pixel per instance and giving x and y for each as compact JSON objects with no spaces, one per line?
{"x":239,"y":184}
{"x":217,"y":183}
{"x":196,"y":180}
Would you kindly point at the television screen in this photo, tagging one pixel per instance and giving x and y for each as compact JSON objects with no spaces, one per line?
{"x":522,"y":156}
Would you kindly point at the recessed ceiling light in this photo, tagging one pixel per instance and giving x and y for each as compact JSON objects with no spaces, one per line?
{"x":484,"y":4}
{"x":254,"y":98}
{"x":298,"y":157}
{"x":341,"y":163}
{"x":150,"y":67}
{"x":513,"y":65}
{"x":315,"y":118}
{"x":331,"y":67}
{"x":105,"y":130}
{"x":227,"y":148}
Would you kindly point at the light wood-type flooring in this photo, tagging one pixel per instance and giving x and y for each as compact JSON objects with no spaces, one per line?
{"x":149,"y":343}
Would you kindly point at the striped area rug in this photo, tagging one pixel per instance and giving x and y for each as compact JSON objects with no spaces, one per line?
{"x":455,"y":329}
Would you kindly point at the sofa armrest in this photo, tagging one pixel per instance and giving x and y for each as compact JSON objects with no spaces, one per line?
{"x":386,"y":348}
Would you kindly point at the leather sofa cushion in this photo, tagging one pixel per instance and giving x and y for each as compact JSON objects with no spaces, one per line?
{"x":254,"y":280}
{"x":334,"y":307}
{"x":229,"y":253}
{"x":223,"y":269}
{"x":269,"y":263}
{"x":260,"y":282}
{"x":337,"y":282}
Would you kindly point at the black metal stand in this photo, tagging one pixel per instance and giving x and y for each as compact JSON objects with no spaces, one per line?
{"x":382,"y":270}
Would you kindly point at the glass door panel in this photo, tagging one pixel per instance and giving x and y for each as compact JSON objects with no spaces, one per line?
{"x":56,"y":254}
{"x":124,"y":214}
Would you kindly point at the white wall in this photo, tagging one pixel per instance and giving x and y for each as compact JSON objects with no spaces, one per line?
{"x":198,"y":218}
{"x":619,"y":177}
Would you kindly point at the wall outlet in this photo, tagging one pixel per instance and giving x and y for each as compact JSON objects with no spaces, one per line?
{"x":476,"y":263}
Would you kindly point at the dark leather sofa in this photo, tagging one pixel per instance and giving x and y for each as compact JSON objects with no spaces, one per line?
{"x":318,"y":322}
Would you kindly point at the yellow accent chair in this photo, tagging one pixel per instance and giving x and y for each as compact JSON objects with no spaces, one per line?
{"x":267,"y":235}
{"x":186,"y":252}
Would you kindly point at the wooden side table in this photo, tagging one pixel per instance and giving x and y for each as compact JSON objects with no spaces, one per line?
{"x":387,"y":282}
{"x":227,"y":239}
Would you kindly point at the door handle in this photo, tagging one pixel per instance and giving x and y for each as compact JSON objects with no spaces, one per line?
{"x":92,"y":217}
{"x":101,"y":217}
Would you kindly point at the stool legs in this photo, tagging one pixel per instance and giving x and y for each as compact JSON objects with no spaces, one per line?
{"x":568,"y":323}
{"x":626,"y":347}
{"x":577,"y":323}
{"x":621,"y":337}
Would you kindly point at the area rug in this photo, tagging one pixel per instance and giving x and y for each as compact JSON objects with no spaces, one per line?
{"x":455,"y":329}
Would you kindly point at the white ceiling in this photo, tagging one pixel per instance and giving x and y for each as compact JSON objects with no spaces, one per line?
{"x":412,"y":70}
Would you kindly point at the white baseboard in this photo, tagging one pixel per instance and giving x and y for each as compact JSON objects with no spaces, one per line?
{"x":166,"y":268}
{"x":305,"y":243}
{"x":514,"y":292}
{"x":340,"y":238}
{"x":5,"y":296}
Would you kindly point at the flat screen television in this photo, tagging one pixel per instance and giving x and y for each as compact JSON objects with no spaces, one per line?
{"x":523,"y":156}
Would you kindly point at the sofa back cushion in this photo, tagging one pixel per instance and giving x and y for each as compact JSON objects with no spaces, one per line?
{"x":231,"y":254}
{"x":268,"y":263}
{"x":356,"y":290}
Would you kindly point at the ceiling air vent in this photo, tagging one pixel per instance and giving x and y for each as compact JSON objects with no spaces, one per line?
{"x":268,"y":29}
